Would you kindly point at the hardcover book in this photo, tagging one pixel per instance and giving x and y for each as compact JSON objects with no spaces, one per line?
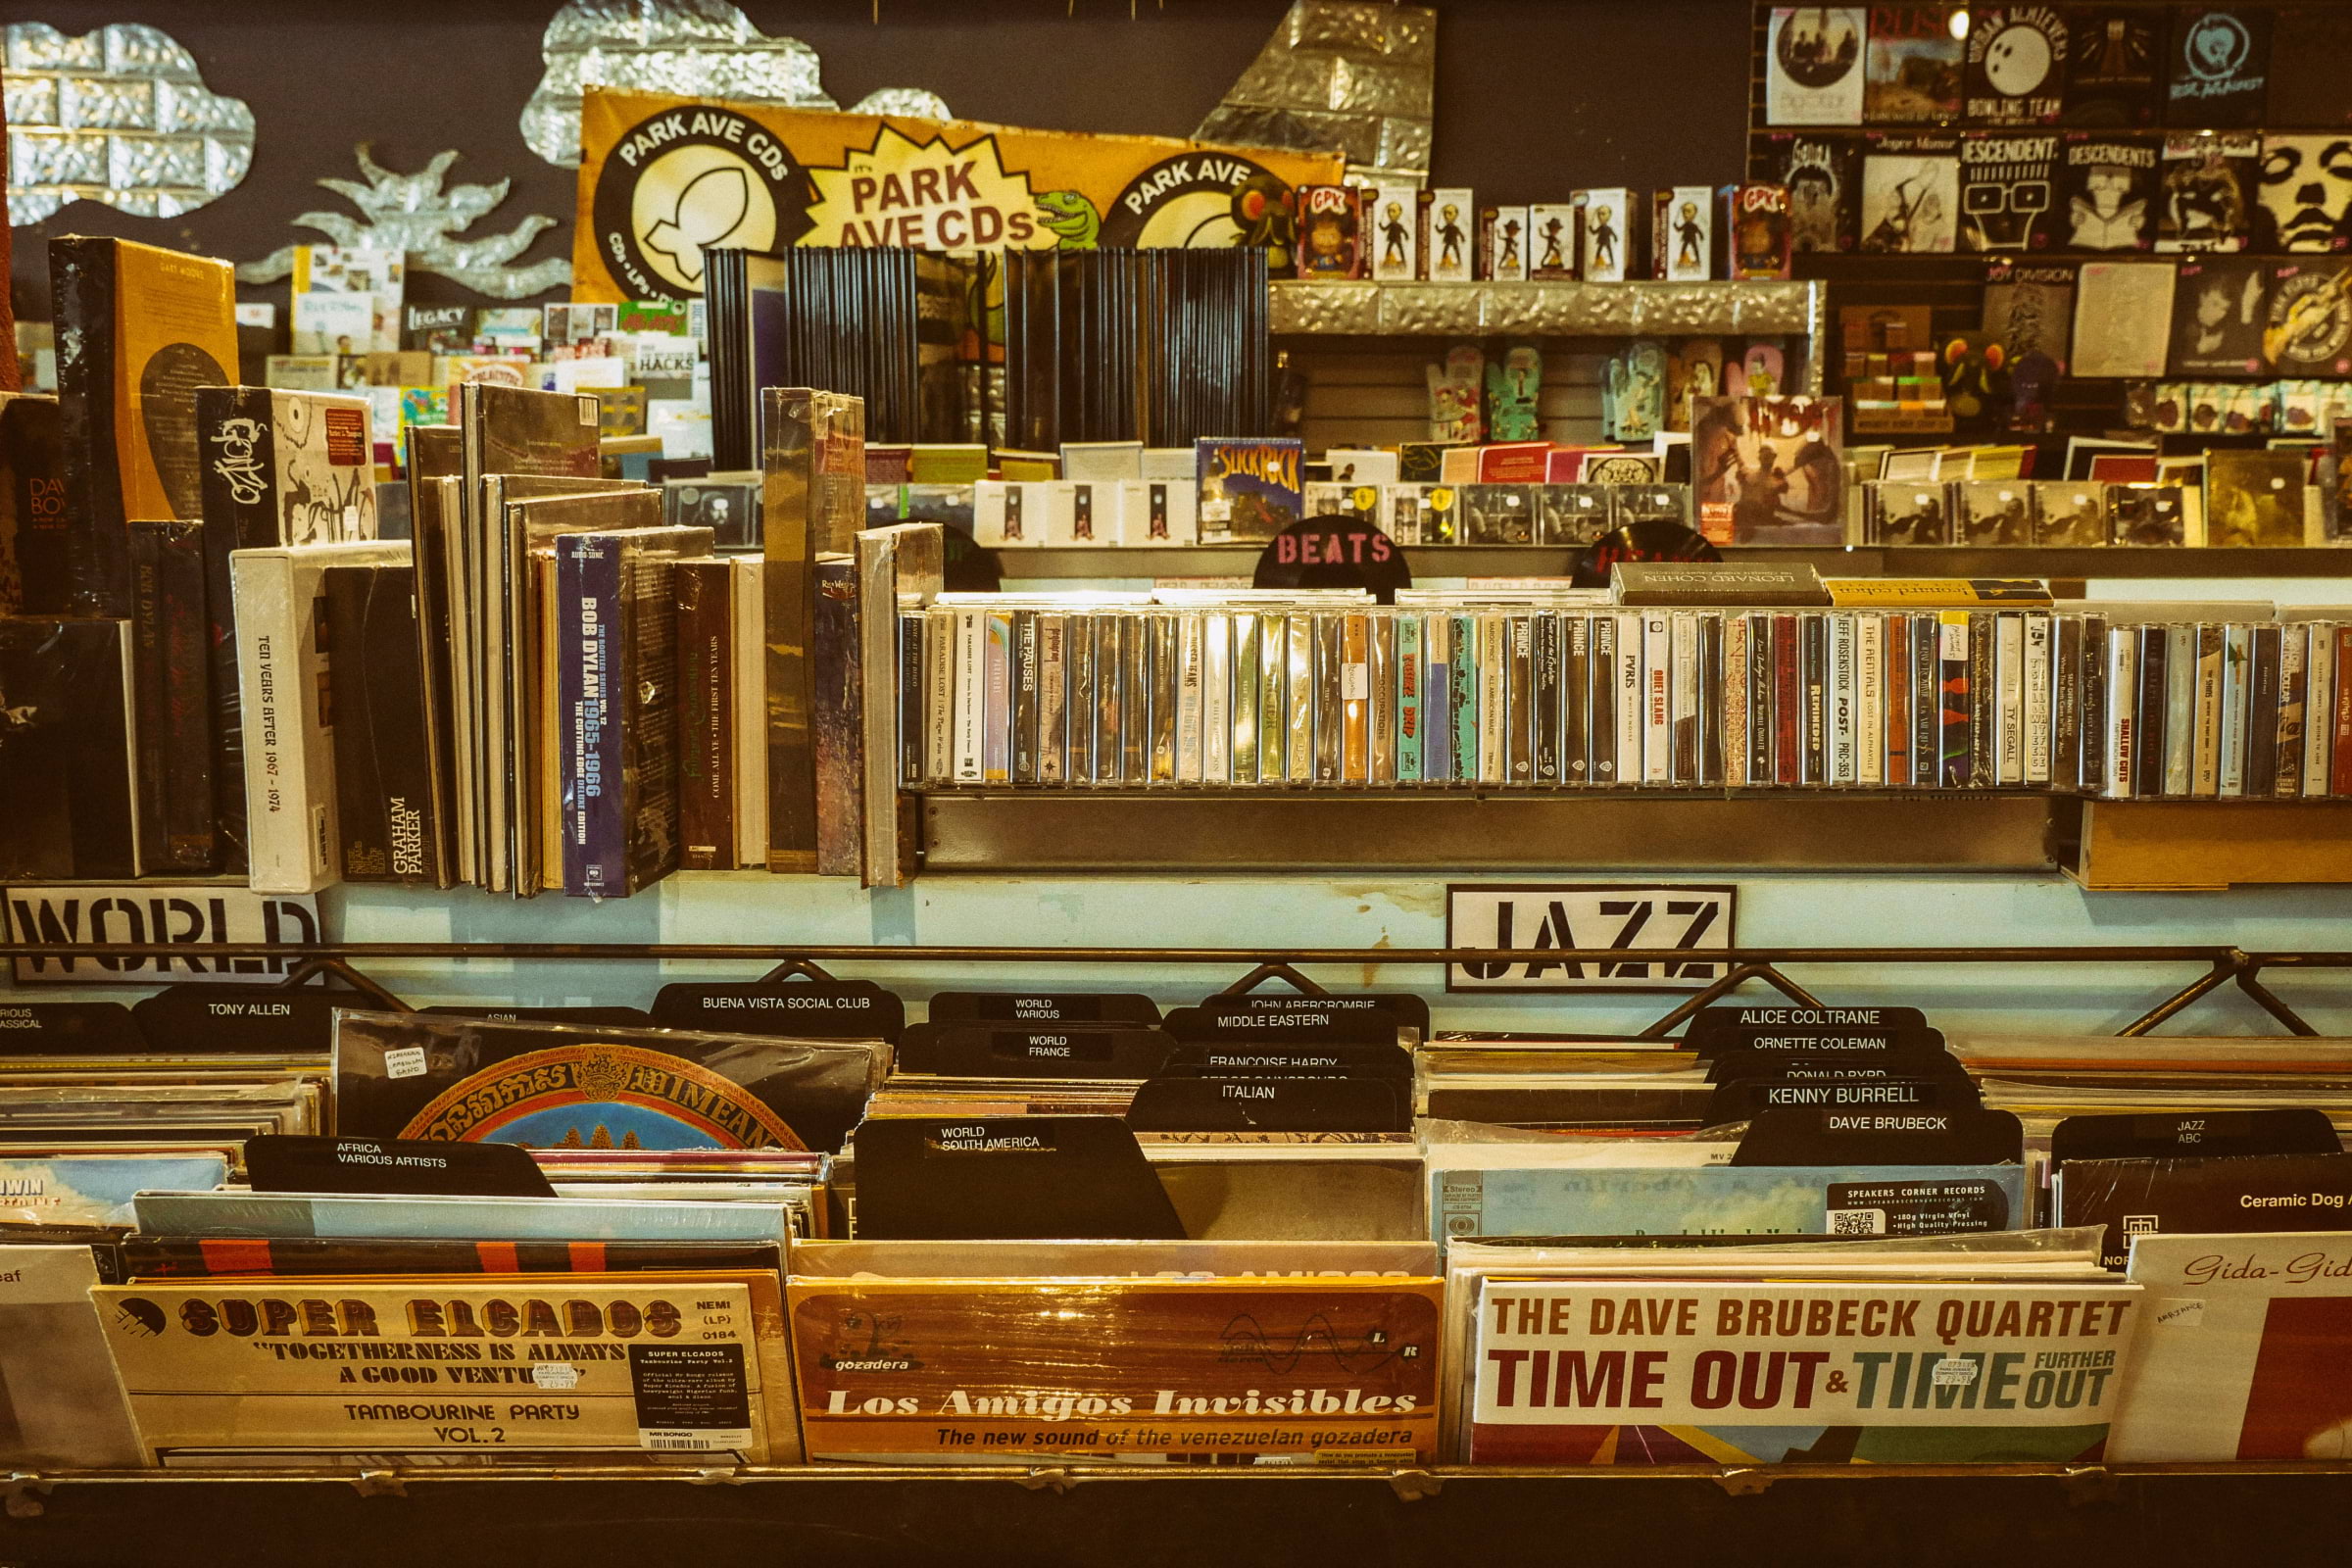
{"x":37,"y":539}
{"x":288,"y":749}
{"x":616,"y":705}
{"x":169,"y":637}
{"x":815,"y":502}
{"x":68,"y":754}
{"x":386,"y":823}
{"x":139,"y":330}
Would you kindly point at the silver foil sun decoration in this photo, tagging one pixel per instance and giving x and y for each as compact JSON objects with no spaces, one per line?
{"x":694,"y":48}
{"x":420,"y":214}
{"x":120,"y":115}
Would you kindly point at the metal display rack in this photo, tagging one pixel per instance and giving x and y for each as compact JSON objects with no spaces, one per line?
{"x":855,"y":1516}
{"x":2246,"y":971}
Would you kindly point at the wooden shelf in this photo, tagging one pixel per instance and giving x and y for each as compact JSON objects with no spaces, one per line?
{"x":2160,"y":845}
{"x":1180,"y":1516}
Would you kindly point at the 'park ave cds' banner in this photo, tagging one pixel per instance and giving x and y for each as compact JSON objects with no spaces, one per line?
{"x":662,"y":178}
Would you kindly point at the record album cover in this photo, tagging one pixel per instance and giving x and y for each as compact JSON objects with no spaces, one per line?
{"x":65,"y":751}
{"x":2254,"y":499}
{"x":2016,"y":66}
{"x":1768,"y":470}
{"x":2108,"y":192}
{"x":1813,"y":65}
{"x":561,"y":1086}
{"x":1823,"y":175}
{"x":2309,"y":330}
{"x":2207,"y":191}
{"x":2008,"y":181}
{"x":2220,"y":309}
{"x":2305,"y":201}
{"x":2217,"y":68}
{"x":1994,"y":513}
{"x":2114,"y":65}
{"x":1249,"y":489}
{"x":1911,"y":194}
{"x":1911,"y":74}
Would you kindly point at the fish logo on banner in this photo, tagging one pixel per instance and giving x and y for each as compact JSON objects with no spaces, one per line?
{"x":688,"y":180}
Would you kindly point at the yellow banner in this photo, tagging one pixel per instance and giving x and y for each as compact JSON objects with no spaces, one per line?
{"x":662,"y":177}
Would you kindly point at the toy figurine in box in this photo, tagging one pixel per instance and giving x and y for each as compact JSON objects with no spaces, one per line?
{"x":1551,"y":241}
{"x":1760,"y":232}
{"x":1395,"y":223}
{"x":1330,"y":232}
{"x":1609,"y":234}
{"x":1502,"y":244}
{"x":1682,"y":234}
{"x":1445,"y":251}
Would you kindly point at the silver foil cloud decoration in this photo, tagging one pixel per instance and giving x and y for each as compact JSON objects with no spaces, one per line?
{"x":120,"y":115}
{"x":1353,"y":76}
{"x":420,"y":214}
{"x":693,"y":48}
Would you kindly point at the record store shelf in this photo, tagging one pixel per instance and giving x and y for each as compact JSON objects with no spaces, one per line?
{"x":1640,"y":308}
{"x":2018,"y":1516}
{"x":1087,"y":830}
{"x":2065,"y":569}
{"x":2106,"y":844}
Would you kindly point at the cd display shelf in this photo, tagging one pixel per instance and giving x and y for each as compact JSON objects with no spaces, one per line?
{"x":2067,"y":571}
{"x":2108,"y":845}
{"x":850,"y":1516}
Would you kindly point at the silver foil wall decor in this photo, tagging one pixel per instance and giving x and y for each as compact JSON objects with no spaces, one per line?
{"x":692,"y":48}
{"x":120,"y":115}
{"x":1358,"y":77}
{"x":421,"y":215}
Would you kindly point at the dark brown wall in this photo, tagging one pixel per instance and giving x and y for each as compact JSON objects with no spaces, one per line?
{"x":1534,"y":97}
